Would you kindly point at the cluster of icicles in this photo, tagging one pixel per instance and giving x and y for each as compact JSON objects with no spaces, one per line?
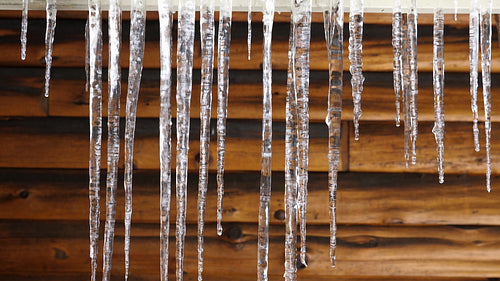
{"x":297,"y":112}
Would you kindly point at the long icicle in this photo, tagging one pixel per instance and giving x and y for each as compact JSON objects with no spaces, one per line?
{"x":114,"y":91}
{"x":87,"y":74}
{"x":24,"y":29}
{"x":267,"y":138}
{"x":397,"y":51}
{"x":355,"y":57}
{"x":50,"y":30}
{"x":137,"y":40}
{"x":486,"y":75}
{"x":165,"y":17}
{"x":224,"y":41}
{"x":412,"y":48}
{"x":301,"y":17}
{"x":438,"y":78}
{"x":249,"y":28}
{"x":334,"y":26}
{"x":291,"y":161}
{"x":474,"y":65}
{"x":207,"y":68}
{"x":405,"y":70}
{"x":95,"y":119}
{"x":185,"y":45}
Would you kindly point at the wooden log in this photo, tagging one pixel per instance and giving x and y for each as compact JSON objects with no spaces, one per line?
{"x":363,"y":198}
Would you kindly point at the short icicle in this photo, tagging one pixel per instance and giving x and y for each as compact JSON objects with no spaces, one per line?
{"x":413,"y":91}
{"x":95,"y":119}
{"x":50,"y":31}
{"x":474,"y":65}
{"x":267,"y":138}
{"x":486,"y":75}
{"x":249,"y":27}
{"x":456,"y":8}
{"x":185,"y":45}
{"x":224,"y":41}
{"x":438,"y":78}
{"x":165,"y":17}
{"x":397,"y":52}
{"x":24,"y":29}
{"x":355,"y":57}
{"x":207,"y":68}
{"x":137,"y":40}
{"x":334,"y":25}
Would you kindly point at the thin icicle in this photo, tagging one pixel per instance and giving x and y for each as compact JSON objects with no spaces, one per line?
{"x":397,"y":51}
{"x":301,"y":20}
{"x":114,"y":91}
{"x":355,"y":57}
{"x":267,"y":138}
{"x":207,"y":68}
{"x":291,"y":160}
{"x":456,"y":9}
{"x":438,"y":78}
{"x":50,"y":30}
{"x":185,"y":44}
{"x":412,"y":48}
{"x":165,"y":17}
{"x":486,"y":74}
{"x":87,"y":59}
{"x":224,"y":41}
{"x":249,"y":26}
{"x":137,"y":39}
{"x":474,"y":63}
{"x":24,"y":29}
{"x":405,"y":70}
{"x":334,"y":25}
{"x":95,"y":120}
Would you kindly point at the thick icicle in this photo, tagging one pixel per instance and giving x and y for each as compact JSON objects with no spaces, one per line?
{"x":95,"y":119}
{"x":185,"y":44}
{"x":301,"y":20}
{"x":291,"y":161}
{"x":267,"y":138}
{"x":412,"y":48}
{"x":165,"y":17}
{"x":137,"y":39}
{"x":334,"y":23}
{"x":438,"y":78}
{"x":207,"y":68}
{"x":474,"y":64}
{"x":50,"y":30}
{"x":87,"y":74}
{"x":249,"y":26}
{"x":24,"y":29}
{"x":355,"y":57}
{"x":224,"y":41}
{"x":397,"y":51}
{"x":486,"y":75}
{"x":405,"y":70}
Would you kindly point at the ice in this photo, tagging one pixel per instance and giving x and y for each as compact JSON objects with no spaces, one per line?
{"x":334,"y":25}
{"x":185,"y":44}
{"x":486,"y":75}
{"x":95,"y":120}
{"x":456,"y":8}
{"x":24,"y":29}
{"x":405,"y":70}
{"x":207,"y":56}
{"x":224,"y":41}
{"x":267,"y":138}
{"x":87,"y":74}
{"x":50,"y":30}
{"x":397,"y":50}
{"x":355,"y":57}
{"x":413,"y":91}
{"x":474,"y":62}
{"x":438,"y":78}
{"x":249,"y":26}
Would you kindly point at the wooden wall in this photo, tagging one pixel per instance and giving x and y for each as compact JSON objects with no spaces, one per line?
{"x":395,"y":223}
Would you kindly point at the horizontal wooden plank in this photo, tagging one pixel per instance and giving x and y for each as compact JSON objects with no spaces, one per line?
{"x":64,"y":143}
{"x":69,"y":47}
{"x":363,"y":198}
{"x":443,"y":251}
{"x":380,"y":149}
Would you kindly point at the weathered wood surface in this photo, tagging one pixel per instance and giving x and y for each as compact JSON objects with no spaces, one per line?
{"x":69,"y":47}
{"x":363,"y":198}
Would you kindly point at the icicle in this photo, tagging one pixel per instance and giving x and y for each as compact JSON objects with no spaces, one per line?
{"x":405,"y":70}
{"x":486,"y":74}
{"x":438,"y":75}
{"x":95,"y":120}
{"x":49,"y":41}
{"x":207,"y":61}
{"x":355,"y":57}
{"x":456,"y":9}
{"x":397,"y":50}
{"x":87,"y":74}
{"x":267,"y":138}
{"x":291,"y":160}
{"x":24,"y":29}
{"x":249,"y":26}
{"x":185,"y":44}
{"x":301,"y":20}
{"x":473,"y":59}
{"x":334,"y":25}
{"x":224,"y":42}
{"x":165,"y":17}
{"x":137,"y":32}
{"x":412,"y":48}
